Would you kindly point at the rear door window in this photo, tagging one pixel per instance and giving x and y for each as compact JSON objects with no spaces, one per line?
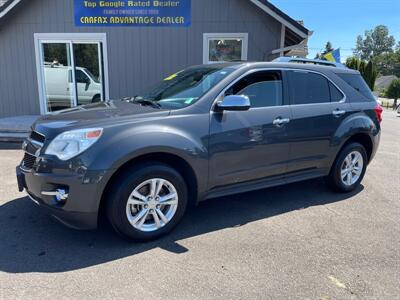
{"x":357,"y":82}
{"x":336,"y":95}
{"x":308,"y":88}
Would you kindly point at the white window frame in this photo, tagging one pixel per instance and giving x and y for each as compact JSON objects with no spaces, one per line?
{"x":228,"y":36}
{"x":70,"y":38}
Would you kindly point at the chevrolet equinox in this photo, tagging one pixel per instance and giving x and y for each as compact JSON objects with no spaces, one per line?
{"x":204,"y":132}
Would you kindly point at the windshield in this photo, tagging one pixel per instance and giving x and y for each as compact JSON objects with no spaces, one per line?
{"x":95,"y":79}
{"x":185,"y":87}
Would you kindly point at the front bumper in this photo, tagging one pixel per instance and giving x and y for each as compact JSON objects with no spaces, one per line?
{"x":79,"y":210}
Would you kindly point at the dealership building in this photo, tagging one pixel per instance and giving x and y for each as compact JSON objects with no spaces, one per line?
{"x":56,"y":54}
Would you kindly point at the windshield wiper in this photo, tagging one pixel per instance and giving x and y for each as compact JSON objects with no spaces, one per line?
{"x":139,"y":100}
{"x":148,"y":102}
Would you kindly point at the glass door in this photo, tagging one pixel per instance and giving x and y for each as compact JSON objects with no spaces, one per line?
{"x":72,"y":73}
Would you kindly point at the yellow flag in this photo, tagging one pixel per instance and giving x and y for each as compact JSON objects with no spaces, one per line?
{"x":329,"y":56}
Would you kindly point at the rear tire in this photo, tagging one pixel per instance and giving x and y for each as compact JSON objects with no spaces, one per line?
{"x":147,"y":201}
{"x":348,"y":169}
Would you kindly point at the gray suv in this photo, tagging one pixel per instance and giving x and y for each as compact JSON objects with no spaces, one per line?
{"x":204,"y":132}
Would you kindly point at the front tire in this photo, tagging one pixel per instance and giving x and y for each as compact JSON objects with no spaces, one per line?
{"x":96,"y":99}
{"x":147,"y":201}
{"x":349,"y":168}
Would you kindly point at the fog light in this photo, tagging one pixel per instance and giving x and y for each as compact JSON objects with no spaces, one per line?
{"x":61,"y":195}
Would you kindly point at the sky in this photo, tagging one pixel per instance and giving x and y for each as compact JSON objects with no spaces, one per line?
{"x":341,"y":21}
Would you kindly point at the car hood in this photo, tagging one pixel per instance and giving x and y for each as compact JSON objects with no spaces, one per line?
{"x":102,"y":114}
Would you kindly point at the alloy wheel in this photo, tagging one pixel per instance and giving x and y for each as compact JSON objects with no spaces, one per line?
{"x":152,"y":204}
{"x":352,"y":168}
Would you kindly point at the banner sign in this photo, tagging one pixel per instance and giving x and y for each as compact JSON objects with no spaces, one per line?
{"x":159,"y":13}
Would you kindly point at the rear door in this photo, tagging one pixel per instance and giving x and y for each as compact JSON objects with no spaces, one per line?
{"x":318,"y":108}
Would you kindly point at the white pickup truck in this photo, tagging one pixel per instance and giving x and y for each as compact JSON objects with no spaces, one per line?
{"x":59,"y":86}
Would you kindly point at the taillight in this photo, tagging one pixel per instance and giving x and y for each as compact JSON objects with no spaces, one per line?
{"x":378,"y":111}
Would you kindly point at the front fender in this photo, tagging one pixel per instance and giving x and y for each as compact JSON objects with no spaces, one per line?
{"x":130,"y":143}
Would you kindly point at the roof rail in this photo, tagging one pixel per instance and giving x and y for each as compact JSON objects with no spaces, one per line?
{"x":287,"y":59}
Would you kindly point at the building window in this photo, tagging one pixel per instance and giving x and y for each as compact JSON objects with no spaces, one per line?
{"x":224,"y":47}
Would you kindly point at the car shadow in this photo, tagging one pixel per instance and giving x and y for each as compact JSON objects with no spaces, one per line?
{"x":31,"y":241}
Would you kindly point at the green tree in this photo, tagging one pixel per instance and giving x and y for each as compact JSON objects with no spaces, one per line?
{"x":353,"y":63}
{"x":375,"y":42}
{"x":370,"y":74}
{"x":393,"y":91}
{"x":388,"y":63}
{"x":367,"y":70}
{"x":86,"y":56}
{"x":328,"y":48}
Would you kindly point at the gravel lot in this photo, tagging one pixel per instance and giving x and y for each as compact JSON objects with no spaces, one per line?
{"x":295,"y":241}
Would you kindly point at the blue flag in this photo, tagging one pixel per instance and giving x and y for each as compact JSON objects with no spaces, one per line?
{"x":333,"y":56}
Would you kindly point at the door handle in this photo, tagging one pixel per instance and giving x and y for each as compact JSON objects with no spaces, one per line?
{"x":338,"y":113}
{"x":278,"y":122}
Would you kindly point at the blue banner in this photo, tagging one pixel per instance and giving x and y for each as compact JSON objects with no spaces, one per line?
{"x":333,"y":56}
{"x":158,"y":13}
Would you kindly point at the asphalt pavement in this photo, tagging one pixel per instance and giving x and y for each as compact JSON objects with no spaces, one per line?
{"x":290,"y":242}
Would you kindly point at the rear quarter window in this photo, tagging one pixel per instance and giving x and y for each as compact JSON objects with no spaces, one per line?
{"x":356,"y":82}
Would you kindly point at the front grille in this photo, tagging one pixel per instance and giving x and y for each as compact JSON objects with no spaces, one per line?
{"x":36,"y":136}
{"x":28,"y":161}
{"x":31,"y":148}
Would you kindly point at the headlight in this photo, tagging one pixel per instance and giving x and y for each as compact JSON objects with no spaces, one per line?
{"x":71,"y":143}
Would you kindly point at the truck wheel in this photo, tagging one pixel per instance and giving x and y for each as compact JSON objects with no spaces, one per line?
{"x":349,"y":168}
{"x":96,"y":99}
{"x":147,"y":201}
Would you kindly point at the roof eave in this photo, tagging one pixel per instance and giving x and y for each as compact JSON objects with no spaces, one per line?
{"x":283,"y":18}
{"x":7,"y":7}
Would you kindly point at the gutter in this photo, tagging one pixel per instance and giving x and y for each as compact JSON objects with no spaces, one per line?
{"x":280,"y":19}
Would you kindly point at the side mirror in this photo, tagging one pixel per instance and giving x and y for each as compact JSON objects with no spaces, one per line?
{"x":234,"y":103}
